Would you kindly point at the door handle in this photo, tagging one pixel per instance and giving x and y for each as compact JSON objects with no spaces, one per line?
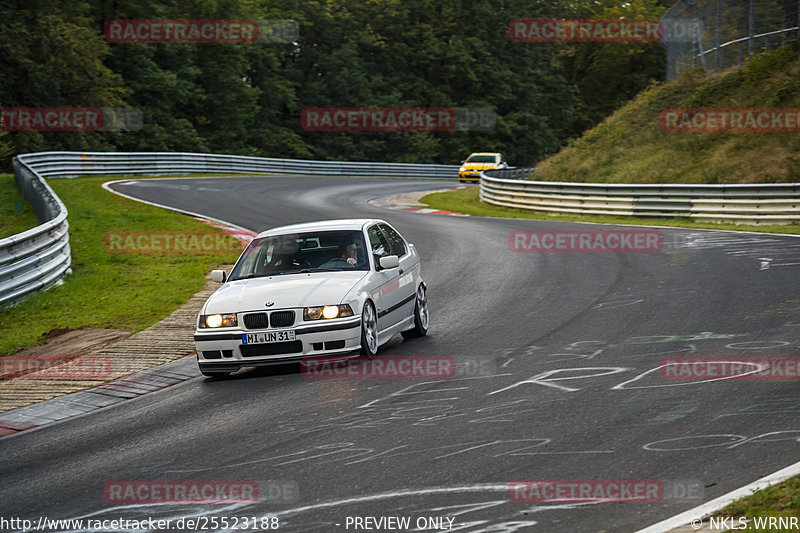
{"x":401,"y":271}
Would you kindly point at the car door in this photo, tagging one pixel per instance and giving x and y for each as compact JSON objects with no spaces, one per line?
{"x":387,"y":294}
{"x":408,"y":272}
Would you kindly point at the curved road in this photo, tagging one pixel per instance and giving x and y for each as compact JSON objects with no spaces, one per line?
{"x":558,"y":380}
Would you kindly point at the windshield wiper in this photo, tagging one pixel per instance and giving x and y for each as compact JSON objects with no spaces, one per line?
{"x":294,"y":271}
{"x":310,"y":270}
{"x":249,"y":276}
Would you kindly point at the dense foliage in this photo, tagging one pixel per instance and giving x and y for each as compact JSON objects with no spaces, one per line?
{"x":247,"y":98}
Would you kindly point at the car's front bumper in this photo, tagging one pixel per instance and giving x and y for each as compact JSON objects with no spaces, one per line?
{"x":224,"y":351}
{"x":474,"y":175}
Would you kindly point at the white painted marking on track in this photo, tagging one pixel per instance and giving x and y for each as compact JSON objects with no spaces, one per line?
{"x":622,"y":386}
{"x":545,"y":379}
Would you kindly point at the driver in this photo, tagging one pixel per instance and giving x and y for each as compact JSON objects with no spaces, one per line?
{"x":348,"y":253}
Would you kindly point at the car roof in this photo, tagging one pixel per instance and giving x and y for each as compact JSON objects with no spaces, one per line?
{"x":484,"y":153}
{"x":324,"y":225}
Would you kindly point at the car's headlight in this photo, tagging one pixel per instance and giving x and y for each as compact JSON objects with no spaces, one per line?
{"x":219,"y":321}
{"x":462,"y":169}
{"x":327,"y":311}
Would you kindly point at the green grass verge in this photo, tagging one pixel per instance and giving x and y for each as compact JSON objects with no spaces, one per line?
{"x":109,"y":290}
{"x":782,"y":499}
{"x":16,"y":213}
{"x":467,"y":201}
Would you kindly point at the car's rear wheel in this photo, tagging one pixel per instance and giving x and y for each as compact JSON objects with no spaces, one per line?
{"x":421,"y":316}
{"x":369,"y":330}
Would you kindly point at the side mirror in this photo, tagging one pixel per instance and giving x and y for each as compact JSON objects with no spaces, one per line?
{"x":219,"y":276}
{"x":464,"y":161}
{"x":389,"y":261}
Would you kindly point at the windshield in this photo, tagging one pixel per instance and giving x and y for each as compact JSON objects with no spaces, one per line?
{"x":293,"y":253}
{"x":481,"y":159}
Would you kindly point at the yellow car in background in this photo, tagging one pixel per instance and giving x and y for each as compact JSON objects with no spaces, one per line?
{"x":472,"y":167}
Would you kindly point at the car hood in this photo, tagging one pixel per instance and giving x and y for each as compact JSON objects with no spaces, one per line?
{"x":285,"y":291}
{"x":479,"y":166}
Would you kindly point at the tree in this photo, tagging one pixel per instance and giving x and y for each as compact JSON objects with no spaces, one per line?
{"x":51,"y":56}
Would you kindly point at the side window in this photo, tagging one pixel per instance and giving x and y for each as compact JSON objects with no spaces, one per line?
{"x":396,"y":243}
{"x":377,"y":243}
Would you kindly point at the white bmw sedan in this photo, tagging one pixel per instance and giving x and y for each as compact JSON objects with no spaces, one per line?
{"x":336,"y":287}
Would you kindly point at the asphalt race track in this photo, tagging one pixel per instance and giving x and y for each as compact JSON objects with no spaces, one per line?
{"x":559,"y":379}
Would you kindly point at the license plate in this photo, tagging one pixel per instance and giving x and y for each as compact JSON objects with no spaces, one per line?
{"x":269,"y":336}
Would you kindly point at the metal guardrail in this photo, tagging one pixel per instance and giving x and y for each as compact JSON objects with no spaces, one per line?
{"x":738,"y":203}
{"x":38,"y":258}
{"x":72,"y":164}
{"x":512,"y":173}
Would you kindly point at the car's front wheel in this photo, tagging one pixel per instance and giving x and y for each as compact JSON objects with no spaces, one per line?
{"x":369,"y":330}
{"x":421,"y":316}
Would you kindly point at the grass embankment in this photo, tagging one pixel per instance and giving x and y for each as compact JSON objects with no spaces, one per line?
{"x":630,"y":146}
{"x":16,"y":213}
{"x":110,"y":290}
